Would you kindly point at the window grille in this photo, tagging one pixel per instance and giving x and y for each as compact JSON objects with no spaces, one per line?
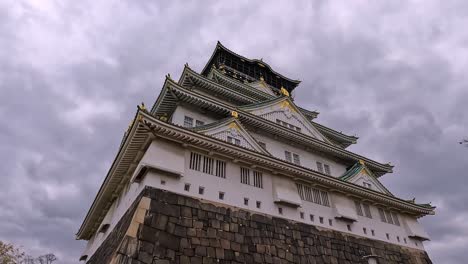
{"x":395,"y":219}
{"x":310,"y":194}
{"x":389,"y":217}
{"x":296,"y":159}
{"x":327,"y":169}
{"x":195,"y":161}
{"x":208,"y":165}
{"x":188,"y":121}
{"x":245,"y":175}
{"x":287,"y":156}
{"x":220,"y":169}
{"x":382,"y":215}
{"x":319,"y":167}
{"x":358,"y":208}
{"x":367,"y":211}
{"x":258,"y":179}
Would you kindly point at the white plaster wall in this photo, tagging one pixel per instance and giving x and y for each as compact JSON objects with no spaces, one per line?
{"x":184,"y":110}
{"x":308,"y":159}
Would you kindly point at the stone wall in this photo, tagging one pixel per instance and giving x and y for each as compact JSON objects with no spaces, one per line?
{"x":179,"y":229}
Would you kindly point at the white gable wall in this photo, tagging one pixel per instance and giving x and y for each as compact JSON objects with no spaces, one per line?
{"x":184,"y":110}
{"x":308,"y":159}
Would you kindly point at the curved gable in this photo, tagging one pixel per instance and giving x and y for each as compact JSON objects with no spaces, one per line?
{"x":359,"y":174}
{"x":231,"y":130}
{"x":284,"y":112}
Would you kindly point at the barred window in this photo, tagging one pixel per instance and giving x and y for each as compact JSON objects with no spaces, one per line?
{"x":327,"y":169}
{"x":319,"y":167}
{"x":245,"y":175}
{"x":208,"y":165}
{"x":287,"y":156}
{"x":389,"y":217}
{"x":313,"y":195}
{"x":296,"y":159}
{"x":195,"y":161}
{"x":382,"y":215}
{"x":358,"y":208}
{"x":395,"y":219}
{"x":188,"y":121}
{"x":325,"y":201}
{"x":257,"y":177}
{"x":367,"y":211}
{"x":232,"y":140}
{"x":290,"y":126}
{"x":258,"y":181}
{"x":220,"y":168}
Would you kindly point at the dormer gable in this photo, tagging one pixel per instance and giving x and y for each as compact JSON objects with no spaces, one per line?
{"x":359,"y":174}
{"x":232,"y":131}
{"x":284,"y":112}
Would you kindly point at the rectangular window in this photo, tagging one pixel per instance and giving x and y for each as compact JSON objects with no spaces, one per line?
{"x":364,"y":230}
{"x":258,"y":179}
{"x":319,"y":167}
{"x":290,"y":126}
{"x":234,"y":141}
{"x":373,"y":232}
{"x":398,"y":238}
{"x":325,"y":201}
{"x":259,"y":204}
{"x":221,"y":195}
{"x":220,"y":169}
{"x":367,"y":211}
{"x":404,"y":240}
{"x":188,"y":121}
{"x":395,"y":219}
{"x":382,"y":215}
{"x":280,"y":210}
{"x":296,"y":159}
{"x":389,"y":217}
{"x":327,"y":169}
{"x":199,"y":123}
{"x":245,"y":175}
{"x":311,"y":217}
{"x":388,"y":236}
{"x":321,"y":219}
{"x":187,"y":187}
{"x":330,"y":222}
{"x":317,"y":199}
{"x":301,"y":214}
{"x":349,"y":227}
{"x":163,"y":182}
{"x":195,"y":161}
{"x":358,"y":208}
{"x":208,"y":164}
{"x":201,"y":190}
{"x":246,"y":201}
{"x":287,"y":156}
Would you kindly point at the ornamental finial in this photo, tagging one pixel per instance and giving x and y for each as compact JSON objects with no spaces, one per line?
{"x":235,"y":114}
{"x":284,"y":91}
{"x":361,"y":162}
{"x":142,"y":106}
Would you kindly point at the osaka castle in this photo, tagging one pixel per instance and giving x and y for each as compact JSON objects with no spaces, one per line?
{"x":225,"y":167}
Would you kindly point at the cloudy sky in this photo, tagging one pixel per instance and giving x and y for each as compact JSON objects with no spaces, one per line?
{"x":71,"y":74}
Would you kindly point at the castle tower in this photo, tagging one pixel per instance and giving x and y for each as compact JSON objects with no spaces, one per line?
{"x":226,"y":168}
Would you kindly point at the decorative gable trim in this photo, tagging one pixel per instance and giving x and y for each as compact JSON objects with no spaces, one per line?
{"x":287,"y":109}
{"x":231,"y":128}
{"x":359,"y":171}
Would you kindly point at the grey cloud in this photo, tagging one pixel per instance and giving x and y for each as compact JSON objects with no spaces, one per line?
{"x":72,"y":74}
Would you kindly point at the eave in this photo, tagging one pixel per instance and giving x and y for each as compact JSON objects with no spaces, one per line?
{"x":219,"y":47}
{"x":145,"y":128}
{"x":214,"y":105}
{"x":246,"y":95}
